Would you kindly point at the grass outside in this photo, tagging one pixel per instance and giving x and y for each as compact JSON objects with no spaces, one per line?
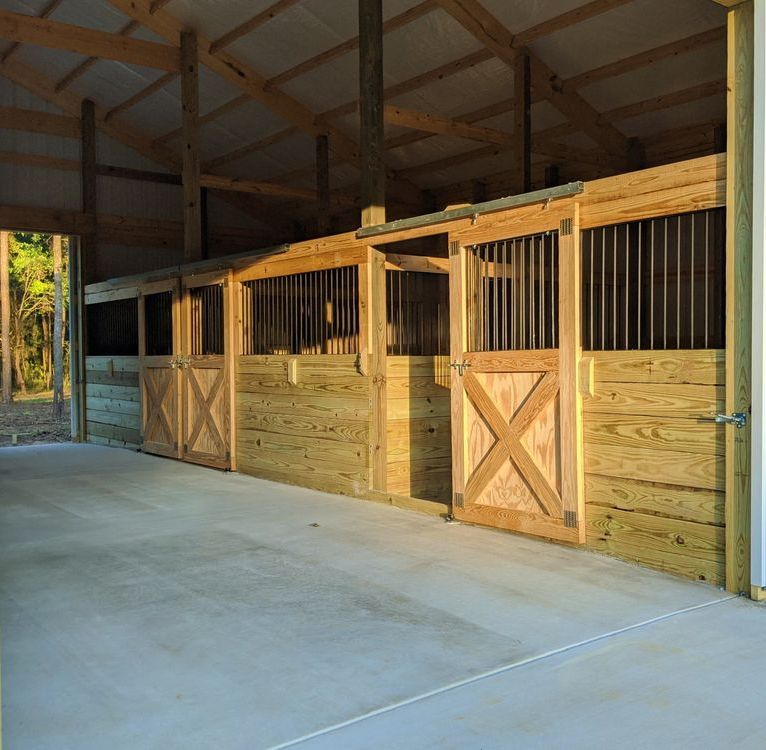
{"x":30,"y":419}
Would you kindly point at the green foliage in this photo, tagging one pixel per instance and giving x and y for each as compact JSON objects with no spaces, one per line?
{"x":32,"y":304}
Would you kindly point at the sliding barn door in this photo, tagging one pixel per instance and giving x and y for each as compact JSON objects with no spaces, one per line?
{"x":205,"y":373}
{"x":159,"y":373}
{"x":516,"y":432}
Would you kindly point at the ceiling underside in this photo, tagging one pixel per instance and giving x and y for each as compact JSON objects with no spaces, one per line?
{"x":636,"y":101}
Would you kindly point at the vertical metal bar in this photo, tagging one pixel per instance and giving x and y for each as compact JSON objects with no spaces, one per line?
{"x":707,"y":240}
{"x":505,"y":296}
{"x":627,"y":284}
{"x":691,"y":282}
{"x":614,"y":289}
{"x":495,"y":311}
{"x":678,"y":283}
{"x":638,"y":289}
{"x":603,"y":287}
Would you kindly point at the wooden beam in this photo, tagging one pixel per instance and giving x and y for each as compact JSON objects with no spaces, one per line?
{"x":190,"y":174}
{"x":88,"y":185}
{"x":259,"y":145}
{"x":230,"y":106}
{"x":739,"y":300}
{"x":522,"y":122}
{"x":344,"y":48}
{"x":371,"y":136}
{"x":139,"y":96}
{"x":493,"y":35}
{"x":35,"y":121}
{"x":45,"y":13}
{"x":89,"y":62}
{"x":65,"y":36}
{"x":251,"y":82}
{"x":323,"y":185}
{"x":410,"y":118}
{"x":251,"y":25}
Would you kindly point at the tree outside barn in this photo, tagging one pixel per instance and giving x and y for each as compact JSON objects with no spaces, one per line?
{"x":33,"y":305}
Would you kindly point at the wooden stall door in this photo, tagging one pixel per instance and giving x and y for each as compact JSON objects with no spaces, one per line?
{"x":205,"y":376}
{"x":513,"y":422}
{"x":159,"y":374}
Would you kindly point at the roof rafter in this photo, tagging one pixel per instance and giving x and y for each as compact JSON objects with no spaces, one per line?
{"x":251,"y":25}
{"x":17,"y":27}
{"x":46,"y":12}
{"x":493,"y":35}
{"x":144,"y":93}
{"x":255,"y":85}
{"x":41,"y":86}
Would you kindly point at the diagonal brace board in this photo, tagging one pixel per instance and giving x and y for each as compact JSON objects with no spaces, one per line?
{"x":509,"y":440}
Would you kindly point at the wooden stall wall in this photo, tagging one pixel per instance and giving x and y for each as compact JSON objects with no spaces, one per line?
{"x":305,"y":420}
{"x":113,"y":402}
{"x":418,"y":427}
{"x":654,"y":459}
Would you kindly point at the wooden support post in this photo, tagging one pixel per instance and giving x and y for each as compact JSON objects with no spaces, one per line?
{"x":372,"y":356}
{"x":570,"y":353}
{"x":76,"y":342}
{"x":552,"y":176}
{"x":88,"y":177}
{"x":371,"y":137}
{"x":5,"y":316}
{"x":191,"y":168}
{"x":323,"y":185}
{"x":739,"y":300}
{"x":204,"y":221}
{"x":522,"y":122}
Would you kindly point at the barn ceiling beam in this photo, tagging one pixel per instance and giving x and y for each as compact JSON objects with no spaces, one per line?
{"x":17,"y":27}
{"x":251,"y":25}
{"x":46,"y":12}
{"x":543,"y":143}
{"x":493,"y":35}
{"x":250,"y":82}
{"x":144,"y":93}
{"x":557,"y":23}
{"x":69,"y":102}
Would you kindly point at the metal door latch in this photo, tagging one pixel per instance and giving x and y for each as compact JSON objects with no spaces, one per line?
{"x":461,"y":367}
{"x":737,"y":418}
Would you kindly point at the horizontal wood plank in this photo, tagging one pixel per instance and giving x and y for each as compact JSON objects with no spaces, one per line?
{"x":693,"y":550}
{"x":669,"y":467}
{"x":655,"y":399}
{"x":686,"y":503}
{"x":703,"y":366}
{"x":671,"y":434}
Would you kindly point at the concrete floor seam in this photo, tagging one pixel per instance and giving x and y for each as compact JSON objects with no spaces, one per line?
{"x":498,"y":671}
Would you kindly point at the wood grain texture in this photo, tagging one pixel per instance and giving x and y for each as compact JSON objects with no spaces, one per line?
{"x":418,"y":427}
{"x":693,"y":550}
{"x":700,"y":367}
{"x":739,"y":264}
{"x":655,"y":498}
{"x":112,"y":401}
{"x":314,"y":433}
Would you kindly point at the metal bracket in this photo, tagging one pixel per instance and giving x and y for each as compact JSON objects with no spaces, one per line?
{"x":737,"y":418}
{"x":461,"y":367}
{"x":570,"y":519}
{"x":457,"y":499}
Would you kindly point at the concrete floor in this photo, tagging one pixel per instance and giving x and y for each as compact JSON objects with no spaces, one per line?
{"x":149,"y":604}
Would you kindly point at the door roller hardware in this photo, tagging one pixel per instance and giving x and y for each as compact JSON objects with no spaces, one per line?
{"x":461,"y":367}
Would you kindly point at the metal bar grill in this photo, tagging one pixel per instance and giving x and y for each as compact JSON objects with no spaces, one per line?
{"x":113,"y":328}
{"x":512,"y":289}
{"x":159,"y":324}
{"x":206,"y":304}
{"x":418,"y":313}
{"x":316,"y":312}
{"x":655,"y":284}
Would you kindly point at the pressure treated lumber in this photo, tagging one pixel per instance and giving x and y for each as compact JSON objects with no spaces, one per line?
{"x":371,"y":117}
{"x":17,"y":27}
{"x":739,"y":301}
{"x":190,"y":174}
